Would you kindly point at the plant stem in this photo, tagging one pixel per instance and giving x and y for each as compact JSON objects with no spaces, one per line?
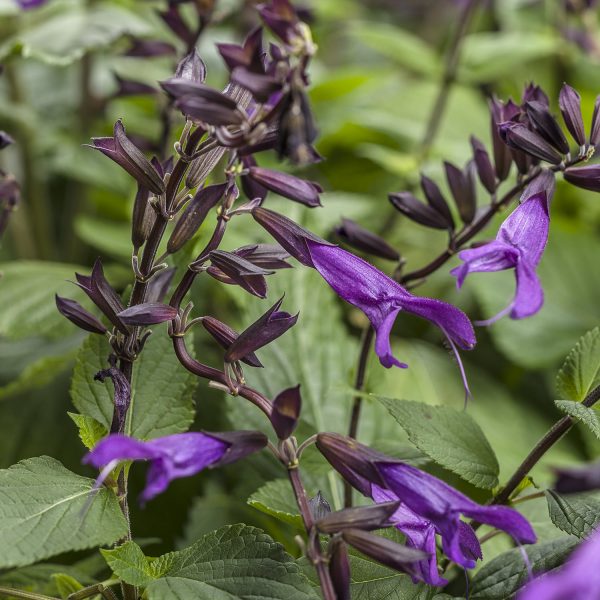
{"x":6,"y":591}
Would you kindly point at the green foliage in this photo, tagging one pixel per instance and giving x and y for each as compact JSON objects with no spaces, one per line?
{"x":576,"y":514}
{"x":275,"y":498}
{"x":588,"y":416}
{"x":46,"y":509}
{"x":161,"y":399}
{"x":234,"y":562}
{"x":449,"y":437}
{"x":580,"y":373}
{"x":90,"y":431}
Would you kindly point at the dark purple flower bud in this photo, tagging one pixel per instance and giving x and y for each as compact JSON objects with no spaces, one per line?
{"x":319,"y":507}
{"x":173,"y":20}
{"x":238,"y":271}
{"x":463,"y":190}
{"x":362,"y":239}
{"x":148,"y":313}
{"x":366,"y":518}
{"x":122,"y":396}
{"x":194,"y":214}
{"x":103,"y":296}
{"x":202,"y":166}
{"x":502,"y":155}
{"x":225,"y":336}
{"x":143,"y":218}
{"x":191,"y":67}
{"x":159,"y":285}
{"x":267,"y":256}
{"x":149,"y":48}
{"x":286,"y":412}
{"x":578,"y":479}
{"x":534,"y":93}
{"x":250,"y":55}
{"x":263,"y":331}
{"x":417,"y":211}
{"x":339,"y":569}
{"x":294,"y":188}
{"x":9,"y":199}
{"x":547,"y":126}
{"x":595,"y":132}
{"x":518,"y":136}
{"x":290,"y":235}
{"x":129,"y":87}
{"x":260,"y":85}
{"x":281,"y":18}
{"x":436,"y":200}
{"x":252,"y":188}
{"x":587,"y":177}
{"x":570,"y":107}
{"x":241,"y":444}
{"x":73,"y":311}
{"x":384,"y":551}
{"x":485,"y":169}
{"x":5,"y":140}
{"x":120,"y":149}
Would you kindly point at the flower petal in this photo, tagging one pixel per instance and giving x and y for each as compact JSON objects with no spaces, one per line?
{"x":491,"y":257}
{"x":383,"y":348}
{"x":529,"y":296}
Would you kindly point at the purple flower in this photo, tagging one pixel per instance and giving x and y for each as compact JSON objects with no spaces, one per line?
{"x":174,"y":456}
{"x":381,"y":299}
{"x":578,"y":579}
{"x":29,"y":4}
{"x":519,"y":245}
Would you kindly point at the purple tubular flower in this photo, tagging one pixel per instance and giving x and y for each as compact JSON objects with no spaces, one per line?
{"x":577,"y":579}
{"x":519,"y":245}
{"x":148,"y":313}
{"x":174,"y":456}
{"x":127,"y":155}
{"x":73,"y":311}
{"x":29,"y":4}
{"x":569,"y":102}
{"x":294,"y":188}
{"x":381,"y":299}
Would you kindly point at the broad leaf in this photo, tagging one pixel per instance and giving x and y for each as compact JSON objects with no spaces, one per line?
{"x":46,"y":509}
{"x":580,"y":373}
{"x":448,"y":436}
{"x":233,"y":562}
{"x":275,"y":498}
{"x":576,"y":514}
{"x":588,"y":416}
{"x":502,"y":577}
{"x":90,"y":430}
{"x":162,"y":389}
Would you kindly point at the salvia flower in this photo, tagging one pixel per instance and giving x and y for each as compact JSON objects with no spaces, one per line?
{"x":233,"y":269}
{"x":127,"y":155}
{"x":225,"y":336}
{"x":577,"y":579}
{"x":174,"y":456}
{"x":294,"y":188}
{"x":429,"y":506}
{"x":382,"y":299}
{"x":519,"y":245}
{"x":29,"y":4}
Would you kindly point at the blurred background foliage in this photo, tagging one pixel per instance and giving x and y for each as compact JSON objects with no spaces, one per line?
{"x":374,"y":85}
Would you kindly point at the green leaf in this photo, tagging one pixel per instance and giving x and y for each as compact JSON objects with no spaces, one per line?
{"x":27,"y":291}
{"x":46,"y":509}
{"x":237,"y":561}
{"x":450,"y":437}
{"x":90,"y":431}
{"x":577,"y":514}
{"x":588,"y":416}
{"x":66,"y":36}
{"x":162,"y":389}
{"x":580,"y":373}
{"x":66,"y":584}
{"x":501,"y":578}
{"x":110,"y":237}
{"x":275,"y":498}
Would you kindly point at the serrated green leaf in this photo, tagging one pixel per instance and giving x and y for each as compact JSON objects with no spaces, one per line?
{"x":580,"y":373}
{"x":577,"y":514}
{"x":588,"y":416}
{"x":275,"y":498}
{"x":66,"y":584}
{"x":502,"y":577}
{"x":161,"y":401}
{"x":449,"y":437}
{"x":237,"y":561}
{"x":46,"y":509}
{"x":66,"y":36}
{"x":90,"y":431}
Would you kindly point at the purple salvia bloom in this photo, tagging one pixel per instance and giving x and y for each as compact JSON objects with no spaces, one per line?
{"x":578,"y":579}
{"x":519,"y":245}
{"x":29,"y":4}
{"x":173,"y":456}
{"x":381,"y":299}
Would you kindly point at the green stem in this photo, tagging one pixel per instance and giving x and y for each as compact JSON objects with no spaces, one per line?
{"x":6,"y":591}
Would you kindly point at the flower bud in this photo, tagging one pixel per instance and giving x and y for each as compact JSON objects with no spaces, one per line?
{"x":462,"y":187}
{"x":595,"y":132}
{"x":267,"y":256}
{"x":417,"y":211}
{"x":149,"y":313}
{"x":587,"y":177}
{"x":569,"y":102}
{"x":362,"y":239}
{"x":485,"y":169}
{"x":436,"y":200}
{"x":294,"y":188}
{"x":516,"y":135}
{"x":319,"y":507}
{"x":158,"y":286}
{"x":149,"y":48}
{"x":174,"y":21}
{"x":249,"y":55}
{"x":73,"y":311}
{"x":143,"y":218}
{"x":502,"y":156}
{"x":240,"y":271}
{"x":225,"y":336}
{"x":191,"y":68}
{"x":366,"y":518}
{"x":578,"y":479}
{"x":547,"y":126}
{"x":202,"y":166}
{"x":261,"y":86}
{"x":339,"y":569}
{"x":5,"y":140}
{"x":286,"y":412}
{"x":241,"y":444}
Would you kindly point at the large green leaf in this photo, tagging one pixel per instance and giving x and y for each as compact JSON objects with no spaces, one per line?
{"x":65,"y":36}
{"x":450,"y":437}
{"x":576,"y":514}
{"x":46,"y":509}
{"x":580,"y":373}
{"x":501,"y":578}
{"x":233,"y":562}
{"x":161,"y":401}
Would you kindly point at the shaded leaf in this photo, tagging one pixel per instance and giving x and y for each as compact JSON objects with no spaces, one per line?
{"x":576,"y":514}
{"x":275,"y":498}
{"x":580,"y":373}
